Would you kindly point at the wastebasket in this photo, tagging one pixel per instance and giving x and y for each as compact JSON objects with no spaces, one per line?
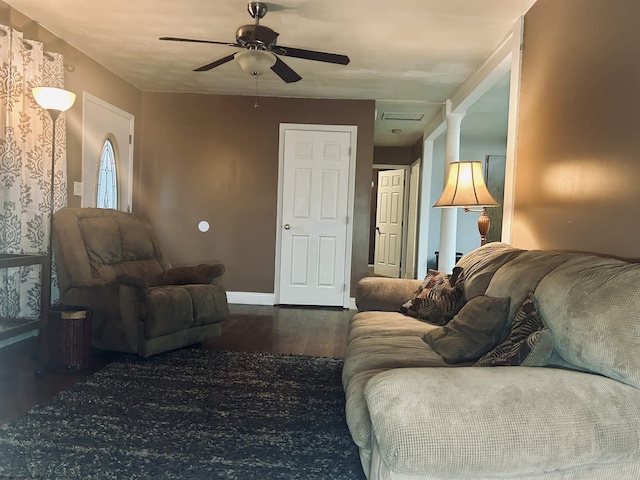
{"x":69,"y":337}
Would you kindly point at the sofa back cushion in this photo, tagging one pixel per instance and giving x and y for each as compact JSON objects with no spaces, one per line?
{"x":592,"y":306}
{"x":521,"y":275}
{"x":479,"y":266}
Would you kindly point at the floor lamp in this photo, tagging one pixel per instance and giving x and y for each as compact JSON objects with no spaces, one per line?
{"x":59,"y":345}
{"x":465,"y":188}
{"x":54,"y":101}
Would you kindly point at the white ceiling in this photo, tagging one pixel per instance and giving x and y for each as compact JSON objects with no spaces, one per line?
{"x":408,"y":55}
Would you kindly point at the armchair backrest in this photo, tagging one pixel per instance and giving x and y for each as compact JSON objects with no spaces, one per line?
{"x":98,"y":244}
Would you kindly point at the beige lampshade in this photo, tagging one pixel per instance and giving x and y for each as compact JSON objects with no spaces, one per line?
{"x":51,"y":98}
{"x":465,"y":187}
{"x":255,"y":62}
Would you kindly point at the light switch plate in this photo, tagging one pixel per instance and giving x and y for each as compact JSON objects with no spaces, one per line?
{"x":77,"y":188}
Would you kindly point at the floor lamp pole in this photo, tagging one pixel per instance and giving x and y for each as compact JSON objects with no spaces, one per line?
{"x":54,"y":116}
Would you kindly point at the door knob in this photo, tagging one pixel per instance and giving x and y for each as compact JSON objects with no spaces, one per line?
{"x":287,"y":226}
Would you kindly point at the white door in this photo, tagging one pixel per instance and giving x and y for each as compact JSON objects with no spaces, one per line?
{"x":314,"y":217}
{"x":390,"y":215}
{"x":103,"y":121}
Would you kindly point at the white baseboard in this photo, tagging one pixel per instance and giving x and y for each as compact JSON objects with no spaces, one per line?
{"x":251,"y":298}
{"x":254,"y":298}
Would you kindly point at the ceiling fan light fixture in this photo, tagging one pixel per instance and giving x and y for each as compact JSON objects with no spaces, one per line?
{"x":255,"y":62}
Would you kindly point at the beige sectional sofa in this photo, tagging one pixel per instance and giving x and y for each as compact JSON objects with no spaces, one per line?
{"x":414,"y":416}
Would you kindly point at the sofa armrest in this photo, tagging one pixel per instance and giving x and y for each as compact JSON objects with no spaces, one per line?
{"x":203,"y":273}
{"x":385,"y":294}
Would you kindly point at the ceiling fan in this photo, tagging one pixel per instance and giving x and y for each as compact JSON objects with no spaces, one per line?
{"x":260,"y":49}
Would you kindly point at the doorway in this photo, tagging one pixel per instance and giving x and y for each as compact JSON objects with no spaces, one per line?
{"x":408,"y":205}
{"x":316,"y":180}
{"x":390,"y":202}
{"x":105,"y":124}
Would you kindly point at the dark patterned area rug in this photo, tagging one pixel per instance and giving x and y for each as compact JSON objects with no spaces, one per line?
{"x":190,"y":414}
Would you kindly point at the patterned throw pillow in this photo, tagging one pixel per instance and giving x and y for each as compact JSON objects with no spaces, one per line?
{"x":530,"y":342}
{"x":438,"y":299}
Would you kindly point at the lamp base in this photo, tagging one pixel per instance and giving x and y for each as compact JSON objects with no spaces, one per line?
{"x":484,"y":223}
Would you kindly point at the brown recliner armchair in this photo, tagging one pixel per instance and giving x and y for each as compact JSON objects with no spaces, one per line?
{"x":112,"y":263}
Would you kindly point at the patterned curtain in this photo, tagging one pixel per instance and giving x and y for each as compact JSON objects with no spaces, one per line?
{"x":25,"y":167}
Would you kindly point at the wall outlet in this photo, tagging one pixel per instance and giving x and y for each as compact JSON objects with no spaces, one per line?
{"x":77,"y":188}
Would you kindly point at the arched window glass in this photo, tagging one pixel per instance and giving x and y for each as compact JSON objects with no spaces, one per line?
{"x":107,"y":194}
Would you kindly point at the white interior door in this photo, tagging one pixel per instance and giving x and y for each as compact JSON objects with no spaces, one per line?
{"x":102,"y":121}
{"x":389,"y":224}
{"x":314,"y":221}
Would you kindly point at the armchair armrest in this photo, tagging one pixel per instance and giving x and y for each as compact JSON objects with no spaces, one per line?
{"x":385,"y":294}
{"x":93,"y":283}
{"x":203,"y":273}
{"x":139,"y":284}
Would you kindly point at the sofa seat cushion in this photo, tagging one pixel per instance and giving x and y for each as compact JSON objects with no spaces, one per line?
{"x":370,"y":353}
{"x":512,"y":423}
{"x":168,"y":309}
{"x":384,"y":324}
{"x":356,"y":411}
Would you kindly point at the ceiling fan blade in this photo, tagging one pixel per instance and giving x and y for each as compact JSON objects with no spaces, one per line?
{"x":193,"y":40}
{"x":217,"y":63}
{"x":285,"y":72}
{"x":313,"y":55}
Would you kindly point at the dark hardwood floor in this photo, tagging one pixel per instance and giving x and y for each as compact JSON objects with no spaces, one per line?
{"x":250,"y":328}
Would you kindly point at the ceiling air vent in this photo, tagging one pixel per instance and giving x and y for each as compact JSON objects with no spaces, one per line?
{"x":408,"y":117}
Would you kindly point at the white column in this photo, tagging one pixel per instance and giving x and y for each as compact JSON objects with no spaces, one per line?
{"x":449,"y":219}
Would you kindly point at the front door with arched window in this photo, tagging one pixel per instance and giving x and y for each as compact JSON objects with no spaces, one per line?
{"x":107,"y":184}
{"x":107,"y":155}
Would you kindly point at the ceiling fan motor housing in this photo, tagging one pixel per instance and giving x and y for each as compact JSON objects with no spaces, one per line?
{"x":245,"y":36}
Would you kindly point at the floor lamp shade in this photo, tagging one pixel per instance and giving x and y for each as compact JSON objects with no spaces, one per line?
{"x":465,"y":187}
{"x":51,"y":98}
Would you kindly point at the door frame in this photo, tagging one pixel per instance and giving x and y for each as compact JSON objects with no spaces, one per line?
{"x":86,"y":96}
{"x":405,"y":213}
{"x":353,"y":131}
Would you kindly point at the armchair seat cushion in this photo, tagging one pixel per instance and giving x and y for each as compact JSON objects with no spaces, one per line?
{"x":209,"y":303}
{"x":168,"y":309}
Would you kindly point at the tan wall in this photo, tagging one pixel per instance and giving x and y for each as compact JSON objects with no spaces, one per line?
{"x":215,"y":158}
{"x":578,"y":154}
{"x":87,"y":75}
{"x":392,"y":156}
